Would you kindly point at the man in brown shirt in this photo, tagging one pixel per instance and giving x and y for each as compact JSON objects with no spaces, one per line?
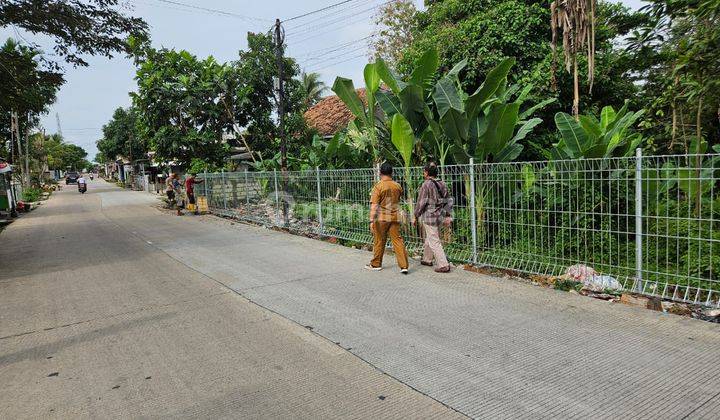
{"x":385,"y":220}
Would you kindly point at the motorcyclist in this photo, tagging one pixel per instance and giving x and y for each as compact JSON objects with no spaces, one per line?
{"x":82,"y":185}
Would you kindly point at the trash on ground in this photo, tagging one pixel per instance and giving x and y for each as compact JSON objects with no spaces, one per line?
{"x":713,"y":313}
{"x":580,"y":272}
{"x":599,"y":283}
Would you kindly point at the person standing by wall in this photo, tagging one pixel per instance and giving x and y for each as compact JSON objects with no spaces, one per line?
{"x":173,"y":189}
{"x":433,"y":209}
{"x":385,"y":220}
{"x":190,"y":182}
{"x":170,"y":190}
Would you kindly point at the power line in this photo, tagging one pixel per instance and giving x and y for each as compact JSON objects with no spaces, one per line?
{"x":317,"y":11}
{"x":20,"y":35}
{"x":329,"y":14}
{"x":12,"y":75}
{"x":336,"y":20}
{"x":318,"y":60}
{"x":321,"y":33}
{"x":336,"y":63}
{"x":332,"y":48}
{"x":217,"y":11}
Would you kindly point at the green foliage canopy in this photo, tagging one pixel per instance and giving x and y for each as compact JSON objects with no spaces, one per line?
{"x":78,"y":27}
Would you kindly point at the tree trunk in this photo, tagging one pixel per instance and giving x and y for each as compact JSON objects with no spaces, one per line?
{"x":674,"y":117}
{"x":576,"y":90}
{"x":698,"y":159}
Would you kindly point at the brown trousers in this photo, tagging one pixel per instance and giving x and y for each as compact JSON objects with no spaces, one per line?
{"x":382,"y":231}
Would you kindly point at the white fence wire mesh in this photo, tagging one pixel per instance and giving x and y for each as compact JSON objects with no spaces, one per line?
{"x":652,"y":223}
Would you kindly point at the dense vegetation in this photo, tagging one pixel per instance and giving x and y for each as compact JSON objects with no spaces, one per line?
{"x":29,"y":80}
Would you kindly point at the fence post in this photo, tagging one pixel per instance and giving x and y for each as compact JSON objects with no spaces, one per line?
{"x":277,"y":198}
{"x":205,"y":184}
{"x":319,"y":198}
{"x":247,"y":188}
{"x":473,"y":216}
{"x":222,"y":174}
{"x":638,"y":220}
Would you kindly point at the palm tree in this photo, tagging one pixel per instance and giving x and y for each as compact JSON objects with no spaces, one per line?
{"x":313,"y":88}
{"x":576,"y":20}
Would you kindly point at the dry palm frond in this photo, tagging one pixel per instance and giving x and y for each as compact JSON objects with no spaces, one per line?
{"x":576,"y":20}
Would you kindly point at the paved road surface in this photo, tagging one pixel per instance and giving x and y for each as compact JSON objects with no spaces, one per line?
{"x":229,"y":320}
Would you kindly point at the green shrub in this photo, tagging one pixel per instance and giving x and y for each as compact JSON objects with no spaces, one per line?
{"x":31,"y":194}
{"x":568,"y":285}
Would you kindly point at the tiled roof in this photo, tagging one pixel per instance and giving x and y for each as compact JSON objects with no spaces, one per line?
{"x":330,"y":115}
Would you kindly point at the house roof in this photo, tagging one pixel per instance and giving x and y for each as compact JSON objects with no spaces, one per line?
{"x":330,"y":115}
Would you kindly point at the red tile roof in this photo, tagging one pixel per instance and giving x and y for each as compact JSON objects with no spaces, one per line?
{"x":330,"y":115}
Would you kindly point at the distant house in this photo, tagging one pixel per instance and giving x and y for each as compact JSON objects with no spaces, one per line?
{"x":330,"y":115}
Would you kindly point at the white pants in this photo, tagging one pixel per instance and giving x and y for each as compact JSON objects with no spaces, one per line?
{"x":433,"y":246}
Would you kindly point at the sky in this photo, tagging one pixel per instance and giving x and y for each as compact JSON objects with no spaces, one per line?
{"x":91,"y":94}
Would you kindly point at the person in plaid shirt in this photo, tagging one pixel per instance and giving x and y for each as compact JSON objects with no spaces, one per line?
{"x":433,"y":210}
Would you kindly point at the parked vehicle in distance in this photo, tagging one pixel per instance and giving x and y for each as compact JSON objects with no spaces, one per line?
{"x":71,"y":177}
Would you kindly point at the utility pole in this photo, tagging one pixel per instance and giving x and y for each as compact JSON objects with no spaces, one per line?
{"x":27,"y":153}
{"x":13,"y":123}
{"x":279,"y":40}
{"x":44,"y":167}
{"x":17,"y":139}
{"x":57,"y":119}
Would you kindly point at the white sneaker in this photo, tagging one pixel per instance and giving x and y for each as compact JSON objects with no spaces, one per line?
{"x":403,"y":271}
{"x":371,"y":268}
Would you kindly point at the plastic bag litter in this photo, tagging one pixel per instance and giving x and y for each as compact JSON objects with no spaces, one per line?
{"x":598,"y":283}
{"x":580,"y":272}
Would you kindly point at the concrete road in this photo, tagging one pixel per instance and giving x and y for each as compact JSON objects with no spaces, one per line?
{"x":96,"y":322}
{"x":307,"y":332}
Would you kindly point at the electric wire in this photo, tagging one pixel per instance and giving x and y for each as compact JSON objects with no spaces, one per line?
{"x":332,"y":48}
{"x":318,"y":10}
{"x":216,"y":11}
{"x":336,"y":20}
{"x":329,"y":30}
{"x":12,"y":75}
{"x":336,"y":63}
{"x":324,"y":59}
{"x":327,"y":15}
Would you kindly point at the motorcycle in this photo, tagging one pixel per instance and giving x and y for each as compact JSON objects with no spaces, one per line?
{"x":82,"y":188}
{"x":91,"y":177}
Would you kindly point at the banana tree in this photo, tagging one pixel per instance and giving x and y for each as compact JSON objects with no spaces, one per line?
{"x":403,"y":138}
{"x":364,"y":115}
{"x":588,"y":137}
{"x":485,"y":125}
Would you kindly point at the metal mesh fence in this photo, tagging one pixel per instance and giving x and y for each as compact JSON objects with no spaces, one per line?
{"x":652,"y":223}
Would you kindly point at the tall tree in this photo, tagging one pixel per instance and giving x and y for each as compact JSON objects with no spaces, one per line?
{"x":394,"y":22}
{"x":123,"y":136}
{"x":679,"y":46}
{"x":257,"y":68}
{"x":312,"y":87}
{"x":27,"y":87}
{"x":485,"y":32}
{"x":78,"y":27}
{"x":178,"y":103}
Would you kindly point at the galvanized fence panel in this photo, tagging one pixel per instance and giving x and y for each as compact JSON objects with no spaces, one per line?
{"x":652,"y":223}
{"x":542,"y":217}
{"x":681,"y":228}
